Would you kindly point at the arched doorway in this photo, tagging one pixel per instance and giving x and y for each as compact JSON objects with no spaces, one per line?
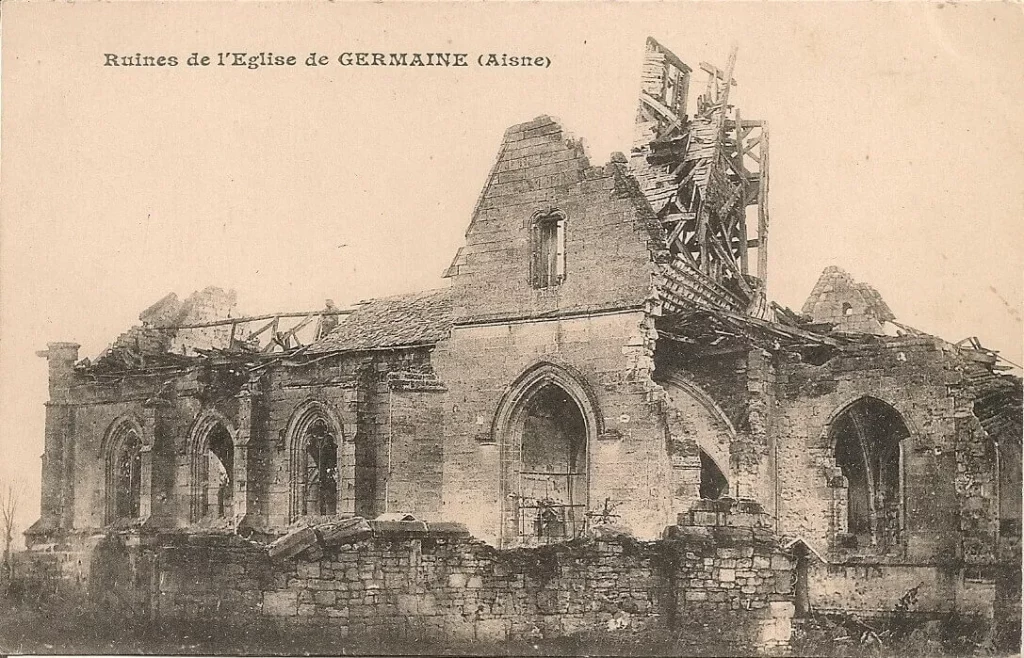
{"x":545,"y":426}
{"x":552,"y":492}
{"x":867,"y":439}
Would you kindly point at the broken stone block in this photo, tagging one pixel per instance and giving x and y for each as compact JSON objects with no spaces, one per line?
{"x":398,"y":527}
{"x":292,"y":544}
{"x":344,"y":532}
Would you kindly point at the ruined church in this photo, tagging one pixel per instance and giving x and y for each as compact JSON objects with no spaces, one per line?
{"x":603,"y":356}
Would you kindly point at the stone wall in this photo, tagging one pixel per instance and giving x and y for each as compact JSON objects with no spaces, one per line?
{"x":601,"y":360}
{"x":607,"y":254}
{"x":913,"y":376}
{"x":434,"y":584}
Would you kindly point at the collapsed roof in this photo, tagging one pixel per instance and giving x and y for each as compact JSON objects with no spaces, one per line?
{"x":700,"y":174}
{"x":695,"y":178}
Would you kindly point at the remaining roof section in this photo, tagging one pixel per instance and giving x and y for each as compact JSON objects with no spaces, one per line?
{"x":421,"y":318}
{"x":850,"y":306}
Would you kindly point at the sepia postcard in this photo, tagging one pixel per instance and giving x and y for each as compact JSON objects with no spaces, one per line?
{"x":392,"y":328}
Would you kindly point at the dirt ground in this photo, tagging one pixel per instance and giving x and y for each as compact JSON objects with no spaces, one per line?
{"x":66,"y":628}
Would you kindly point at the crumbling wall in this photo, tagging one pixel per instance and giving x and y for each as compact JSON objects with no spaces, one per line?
{"x":848,"y":305}
{"x":911,"y":375}
{"x":608,"y":240}
{"x":740,"y":385}
{"x":435,"y":584}
{"x":947,"y":471}
{"x":211,"y":303}
{"x":386,"y":407}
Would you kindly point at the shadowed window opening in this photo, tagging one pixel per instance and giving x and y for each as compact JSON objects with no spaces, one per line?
{"x":713,"y":484}
{"x":552,"y":478}
{"x":219,"y":491}
{"x":867,"y":438}
{"x":126,"y":476}
{"x":320,"y":494}
{"x":548,"y":251}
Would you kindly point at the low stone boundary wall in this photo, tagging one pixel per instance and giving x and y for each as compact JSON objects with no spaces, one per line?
{"x":412,"y":582}
{"x":424,"y":584}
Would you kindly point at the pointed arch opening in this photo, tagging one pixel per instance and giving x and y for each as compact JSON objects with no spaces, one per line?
{"x":320,"y":485}
{"x":322,"y":463}
{"x":123,"y":472}
{"x":545,"y":425}
{"x":713,"y":484}
{"x":212,"y":470}
{"x":867,"y":439}
{"x":553,"y":466}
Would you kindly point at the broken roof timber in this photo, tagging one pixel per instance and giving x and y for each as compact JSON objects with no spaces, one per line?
{"x":254,"y":318}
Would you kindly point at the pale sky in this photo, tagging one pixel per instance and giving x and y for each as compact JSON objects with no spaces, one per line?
{"x":896,"y":139}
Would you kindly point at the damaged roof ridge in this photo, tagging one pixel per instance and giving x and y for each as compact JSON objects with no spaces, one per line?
{"x":429,"y":292}
{"x":407,"y":320}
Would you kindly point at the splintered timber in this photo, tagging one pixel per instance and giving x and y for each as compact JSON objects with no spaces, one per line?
{"x":269,"y":59}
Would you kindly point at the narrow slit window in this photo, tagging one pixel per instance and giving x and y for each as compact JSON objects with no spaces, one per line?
{"x":549,"y":251}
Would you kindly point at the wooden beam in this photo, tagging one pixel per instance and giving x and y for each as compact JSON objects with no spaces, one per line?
{"x":253,"y":318}
{"x":762,"y":211}
{"x":261,"y":329}
{"x":660,"y":108}
{"x":725,"y":254}
{"x":716,"y":72}
{"x":273,"y":335}
{"x":731,"y":201}
{"x":744,"y":245}
{"x":777,"y":328}
{"x":748,"y":123}
{"x":288,"y":335}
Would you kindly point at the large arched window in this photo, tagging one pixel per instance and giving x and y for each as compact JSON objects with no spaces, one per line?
{"x":123,"y":473}
{"x":322,"y":463}
{"x":212,"y":483}
{"x":320,"y":495}
{"x":867,"y":438}
{"x":545,"y":425}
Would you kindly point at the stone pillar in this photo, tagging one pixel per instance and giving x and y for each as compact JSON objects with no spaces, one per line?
{"x":157,"y":462}
{"x":149,"y":429}
{"x":685,"y":482}
{"x":243,"y":496}
{"x":57,"y":500}
{"x":347,"y":464}
{"x":752,"y":474}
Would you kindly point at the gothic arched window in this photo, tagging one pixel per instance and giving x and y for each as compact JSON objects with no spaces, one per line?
{"x":124,"y":475}
{"x":320,"y":490}
{"x":867,"y":439}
